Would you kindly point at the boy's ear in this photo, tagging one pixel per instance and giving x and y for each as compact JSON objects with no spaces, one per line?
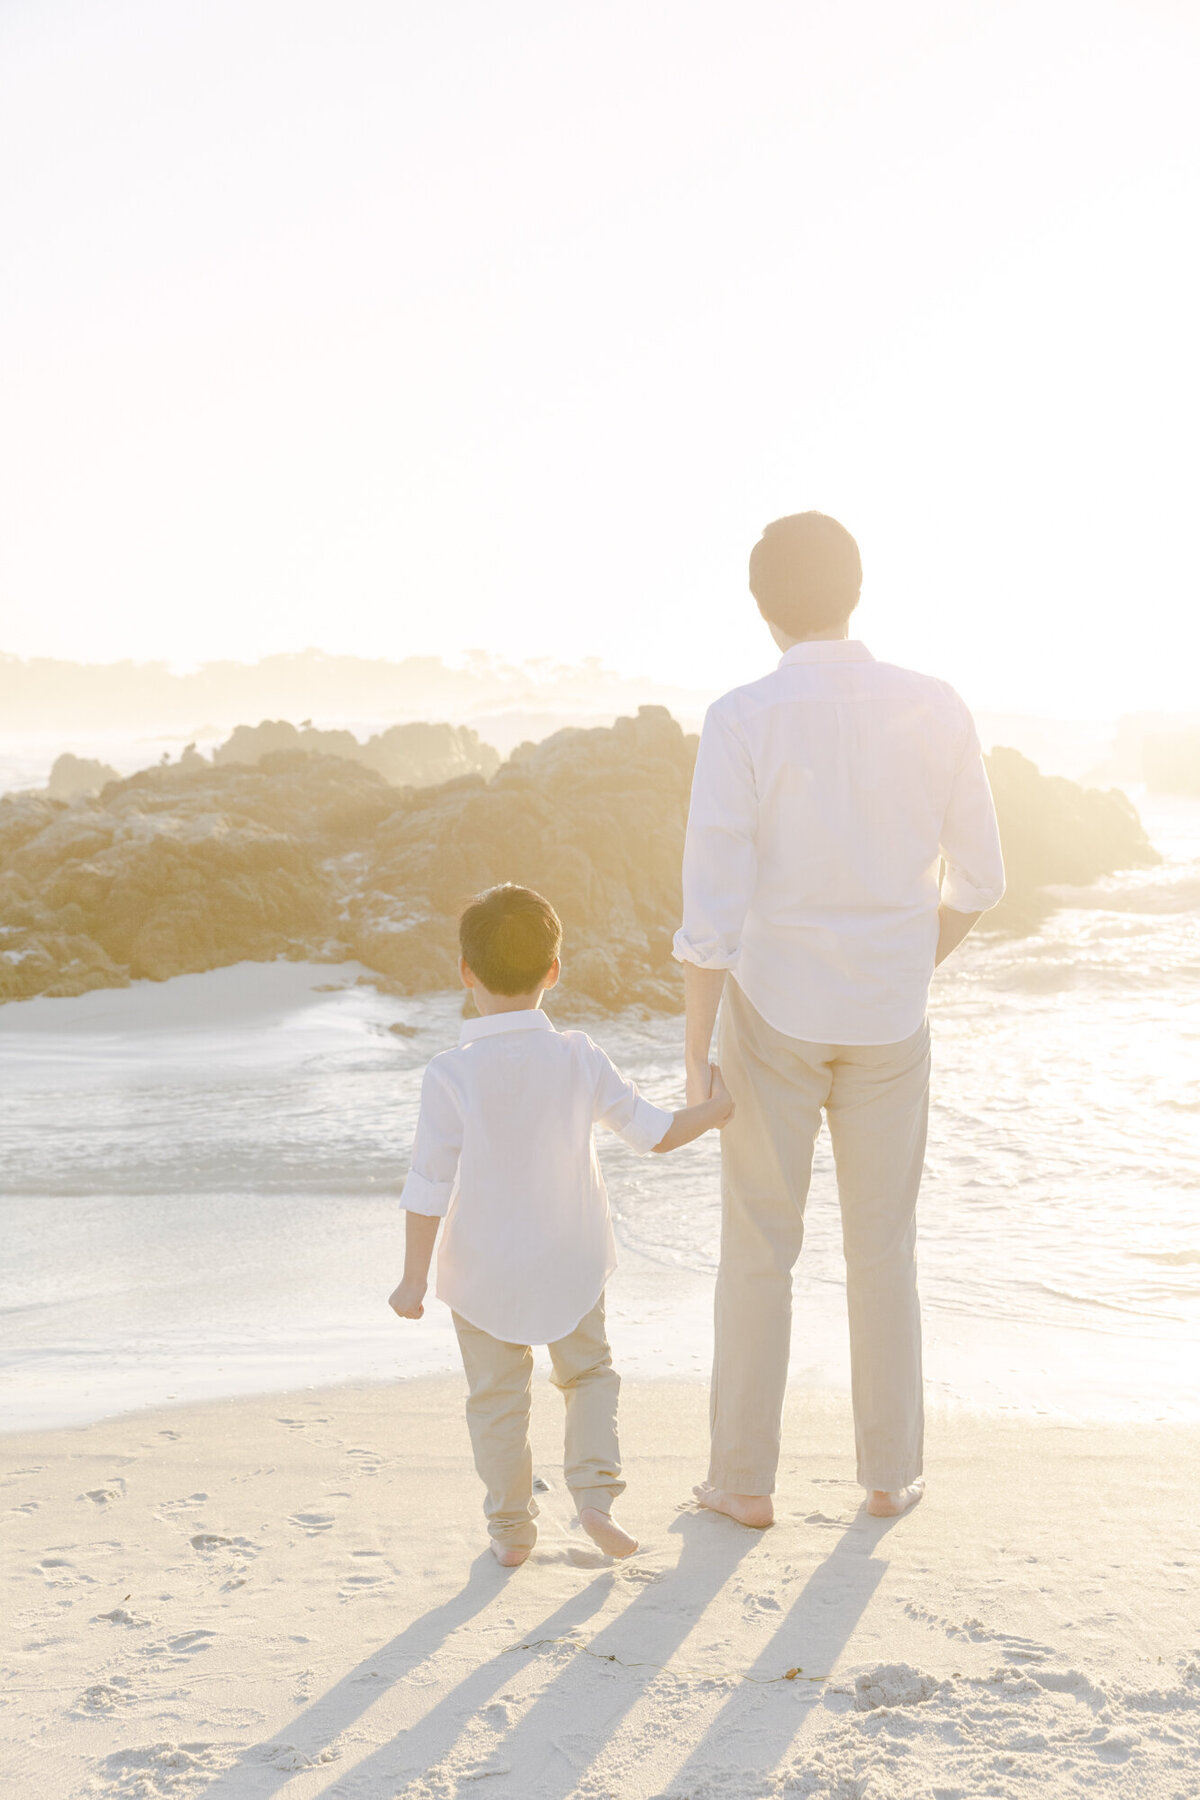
{"x":469,"y":978}
{"x":553,"y":973}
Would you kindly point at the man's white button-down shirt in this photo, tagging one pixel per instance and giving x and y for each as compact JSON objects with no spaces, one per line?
{"x":505,"y":1151}
{"x":826,"y":799}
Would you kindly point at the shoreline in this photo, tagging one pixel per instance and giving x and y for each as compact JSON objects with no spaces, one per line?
{"x":294,"y":1593}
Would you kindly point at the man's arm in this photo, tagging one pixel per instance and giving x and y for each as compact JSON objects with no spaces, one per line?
{"x":720,"y":865}
{"x":702,"y":990}
{"x":952,"y":929}
{"x":973,"y":879}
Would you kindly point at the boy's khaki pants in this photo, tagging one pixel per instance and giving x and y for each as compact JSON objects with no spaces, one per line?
{"x":876,"y":1098}
{"x":499,"y":1379}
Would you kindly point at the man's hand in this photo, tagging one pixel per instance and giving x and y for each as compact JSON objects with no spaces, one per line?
{"x":699,"y":1082}
{"x":407,"y":1300}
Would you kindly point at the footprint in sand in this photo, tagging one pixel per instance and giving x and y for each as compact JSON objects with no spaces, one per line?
{"x":188,"y":1642}
{"x":369,"y":1463}
{"x":212,"y":1540}
{"x":357,"y":1587}
{"x":119,"y":1616}
{"x":104,"y":1496}
{"x":312,"y":1523}
{"x":59,"y":1571}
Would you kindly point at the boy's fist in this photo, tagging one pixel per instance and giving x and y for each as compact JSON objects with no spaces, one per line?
{"x":721,"y":1096}
{"x":407,"y":1300}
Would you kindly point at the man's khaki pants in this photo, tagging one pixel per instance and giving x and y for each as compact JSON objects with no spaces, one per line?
{"x":499,"y":1379}
{"x":876,"y":1098}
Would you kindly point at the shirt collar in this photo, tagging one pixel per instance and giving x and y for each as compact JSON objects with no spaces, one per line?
{"x":827,"y":650}
{"x":525,"y":1019}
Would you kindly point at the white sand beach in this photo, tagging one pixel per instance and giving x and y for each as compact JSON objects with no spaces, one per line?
{"x":292,"y":1596}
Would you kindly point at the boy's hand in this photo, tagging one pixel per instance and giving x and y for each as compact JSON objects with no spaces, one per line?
{"x":407,"y":1300}
{"x":721,"y":1097}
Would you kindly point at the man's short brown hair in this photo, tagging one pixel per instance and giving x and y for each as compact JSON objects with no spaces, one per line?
{"x":509,"y":936}
{"x":805,"y":573}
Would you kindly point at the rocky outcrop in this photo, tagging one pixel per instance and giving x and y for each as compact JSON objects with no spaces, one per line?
{"x":76,"y":777}
{"x":1057,"y":833}
{"x":297,"y":853}
{"x":416,"y":755}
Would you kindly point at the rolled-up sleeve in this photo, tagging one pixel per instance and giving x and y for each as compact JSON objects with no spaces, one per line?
{"x":429,"y":1186}
{"x":620,"y":1107}
{"x":720,"y":859}
{"x":970,"y":836}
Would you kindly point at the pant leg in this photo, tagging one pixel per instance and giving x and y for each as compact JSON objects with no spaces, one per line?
{"x":779,"y":1085}
{"x":499,"y":1378}
{"x":878,"y":1114}
{"x":584,"y":1375}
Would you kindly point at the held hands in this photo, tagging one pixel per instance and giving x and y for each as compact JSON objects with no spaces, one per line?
{"x":705,"y":1083}
{"x":407,"y":1301}
{"x":720,"y":1096}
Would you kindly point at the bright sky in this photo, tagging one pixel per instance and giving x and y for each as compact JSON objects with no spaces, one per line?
{"x":396,"y":328}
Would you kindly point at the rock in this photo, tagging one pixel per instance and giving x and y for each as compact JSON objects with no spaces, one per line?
{"x":1057,"y":833}
{"x":292,"y":852}
{"x":414,"y":755}
{"x":74,"y":777}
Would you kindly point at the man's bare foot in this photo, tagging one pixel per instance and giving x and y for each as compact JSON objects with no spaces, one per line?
{"x":887,"y":1503}
{"x":604,"y":1532}
{"x":509,"y":1556}
{"x":757,"y":1510}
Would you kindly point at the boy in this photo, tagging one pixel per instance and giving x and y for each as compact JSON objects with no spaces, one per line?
{"x":504,"y":1152}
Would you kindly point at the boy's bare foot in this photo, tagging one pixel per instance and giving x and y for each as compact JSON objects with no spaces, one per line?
{"x":757,"y":1510}
{"x":887,"y":1503}
{"x":604,"y":1532}
{"x":509,"y":1556}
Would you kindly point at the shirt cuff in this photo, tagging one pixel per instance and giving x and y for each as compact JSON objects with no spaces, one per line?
{"x":712,"y":957}
{"x":420,"y":1195}
{"x":648,"y":1126}
{"x":963,"y":895}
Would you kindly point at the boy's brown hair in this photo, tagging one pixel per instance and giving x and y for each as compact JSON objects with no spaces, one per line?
{"x":509,"y":936}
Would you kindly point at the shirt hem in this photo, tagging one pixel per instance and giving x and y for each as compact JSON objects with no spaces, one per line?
{"x":851,"y":1040}
{"x":503,"y":1338}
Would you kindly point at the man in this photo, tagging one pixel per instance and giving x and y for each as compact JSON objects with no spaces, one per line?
{"x":842,"y":841}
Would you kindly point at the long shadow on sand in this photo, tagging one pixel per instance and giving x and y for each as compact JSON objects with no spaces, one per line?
{"x":318,"y":1725}
{"x":813,"y":1634}
{"x":650,"y":1629}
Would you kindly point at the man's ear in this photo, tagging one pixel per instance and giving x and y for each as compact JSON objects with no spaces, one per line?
{"x":553,"y":973}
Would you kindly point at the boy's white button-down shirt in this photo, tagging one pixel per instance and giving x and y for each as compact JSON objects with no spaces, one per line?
{"x":505,"y":1151}
{"x":826,"y":797}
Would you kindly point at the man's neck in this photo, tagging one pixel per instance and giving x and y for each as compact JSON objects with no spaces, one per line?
{"x":834,"y":635}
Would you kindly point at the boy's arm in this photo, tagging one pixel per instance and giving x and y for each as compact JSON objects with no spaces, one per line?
{"x":694,"y":1121}
{"x":419,"y":1238}
{"x":427,"y":1189}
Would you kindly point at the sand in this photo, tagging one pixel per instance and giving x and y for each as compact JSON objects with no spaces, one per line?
{"x":292,"y":1595}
